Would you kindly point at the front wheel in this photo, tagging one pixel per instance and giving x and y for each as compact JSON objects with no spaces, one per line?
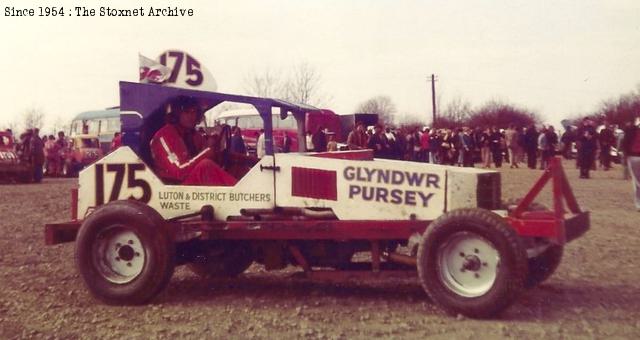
{"x":470,"y":261}
{"x":124,"y":253}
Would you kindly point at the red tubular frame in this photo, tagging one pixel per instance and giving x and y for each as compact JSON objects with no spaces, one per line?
{"x":549,"y":224}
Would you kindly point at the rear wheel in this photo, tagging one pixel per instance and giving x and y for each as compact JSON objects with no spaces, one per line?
{"x":470,"y":261}
{"x":124,"y":253}
{"x":544,"y":264}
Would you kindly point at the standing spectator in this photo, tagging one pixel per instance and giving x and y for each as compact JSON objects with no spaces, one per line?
{"x":116,"y":141}
{"x":551,"y":139}
{"x":332,"y":145}
{"x":521,"y":142}
{"x":496,"y":141}
{"x":531,"y":146}
{"x":309,"y":142}
{"x":377,"y":142}
{"x":319,"y":140}
{"x":37,"y":155}
{"x":623,"y":155}
{"x":52,"y":154}
{"x":443,"y":147}
{"x":485,"y":150}
{"x":286,"y":143}
{"x":448,"y":147}
{"x":426,"y":153}
{"x":63,"y":150}
{"x":260,"y":147}
{"x":417,"y":135}
{"x":25,"y":146}
{"x":587,"y":142}
{"x":237,"y":142}
{"x":631,"y":148}
{"x":511,"y":139}
{"x":391,"y":144}
{"x":587,"y":126}
{"x":466,"y":147}
{"x":411,"y":141}
{"x":435,"y":140}
{"x":606,"y":139}
{"x":567,"y":140}
{"x":456,"y":141}
{"x":542,"y":147}
{"x":400,"y":146}
{"x":357,"y":138}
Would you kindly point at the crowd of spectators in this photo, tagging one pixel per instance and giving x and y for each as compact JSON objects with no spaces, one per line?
{"x":489,"y":147}
{"x":44,"y":153}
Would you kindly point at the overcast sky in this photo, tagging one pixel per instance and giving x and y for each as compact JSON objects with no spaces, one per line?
{"x":558,"y":58}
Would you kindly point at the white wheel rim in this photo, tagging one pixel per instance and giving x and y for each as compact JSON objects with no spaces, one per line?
{"x":468,"y":264}
{"x":118,"y":254}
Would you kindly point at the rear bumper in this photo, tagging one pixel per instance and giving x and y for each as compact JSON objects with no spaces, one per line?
{"x":576,"y":226}
{"x":544,"y":224}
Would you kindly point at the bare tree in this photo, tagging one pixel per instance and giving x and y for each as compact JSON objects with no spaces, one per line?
{"x":33,"y":118}
{"x":622,"y":110}
{"x":60,"y":124}
{"x":499,"y":114}
{"x":14,"y":125}
{"x":264,"y":84}
{"x":304,"y":86}
{"x":301,"y":85}
{"x":457,"y":111}
{"x":381,"y":105}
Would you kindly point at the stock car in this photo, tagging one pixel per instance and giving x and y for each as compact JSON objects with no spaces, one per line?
{"x":83,"y":150}
{"x":12,"y":167}
{"x":473,"y":253}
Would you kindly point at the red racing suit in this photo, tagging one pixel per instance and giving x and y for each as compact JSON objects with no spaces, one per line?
{"x":173,"y":162}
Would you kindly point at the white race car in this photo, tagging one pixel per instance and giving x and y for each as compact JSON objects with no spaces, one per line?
{"x":473,"y":253}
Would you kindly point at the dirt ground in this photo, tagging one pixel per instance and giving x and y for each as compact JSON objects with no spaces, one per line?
{"x":594,"y":294}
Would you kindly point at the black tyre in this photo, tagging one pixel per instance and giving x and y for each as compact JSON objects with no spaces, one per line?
{"x":470,"y":261}
{"x":543,"y":265}
{"x":222,"y":259}
{"x":125,"y":253}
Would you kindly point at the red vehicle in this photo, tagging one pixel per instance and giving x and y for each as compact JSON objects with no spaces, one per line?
{"x":11,"y":166}
{"x":250,"y":122}
{"x":83,"y":150}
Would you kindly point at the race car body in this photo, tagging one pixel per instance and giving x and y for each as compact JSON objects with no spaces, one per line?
{"x":360,"y":188}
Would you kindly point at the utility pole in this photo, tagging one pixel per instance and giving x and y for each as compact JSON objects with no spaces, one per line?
{"x":433,"y":97}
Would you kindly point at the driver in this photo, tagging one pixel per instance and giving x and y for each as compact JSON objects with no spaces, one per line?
{"x":181,"y":154}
